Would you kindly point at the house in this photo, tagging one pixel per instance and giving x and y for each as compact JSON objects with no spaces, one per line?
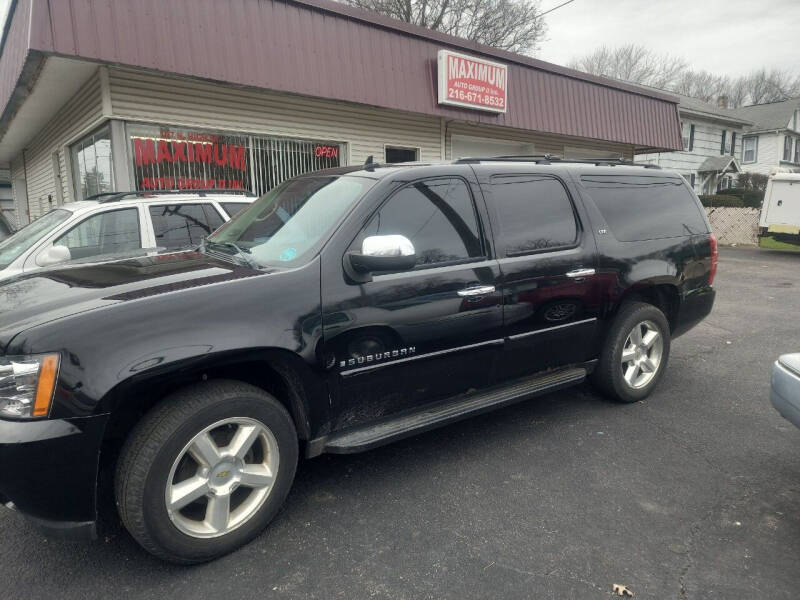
{"x":772,"y":142}
{"x":712,"y":144}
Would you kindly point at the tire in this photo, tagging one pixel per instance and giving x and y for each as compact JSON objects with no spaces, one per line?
{"x":170,"y":445}
{"x":610,"y":374}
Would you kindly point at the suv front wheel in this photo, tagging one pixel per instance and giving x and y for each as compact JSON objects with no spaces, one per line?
{"x":206,"y":470}
{"x":634,"y":354}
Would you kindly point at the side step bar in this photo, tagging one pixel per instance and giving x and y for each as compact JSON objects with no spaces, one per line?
{"x":397,"y":427}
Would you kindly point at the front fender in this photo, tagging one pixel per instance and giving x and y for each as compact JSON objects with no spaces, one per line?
{"x":108,"y":349}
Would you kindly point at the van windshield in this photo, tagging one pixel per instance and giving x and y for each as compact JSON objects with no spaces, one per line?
{"x":14,"y":246}
{"x":288,"y":224}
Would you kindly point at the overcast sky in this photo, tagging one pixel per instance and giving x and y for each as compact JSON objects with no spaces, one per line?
{"x":728,"y":37}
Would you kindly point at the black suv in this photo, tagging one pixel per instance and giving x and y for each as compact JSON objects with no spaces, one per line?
{"x":342,"y":310}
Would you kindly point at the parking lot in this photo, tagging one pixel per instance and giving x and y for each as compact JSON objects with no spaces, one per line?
{"x":691,"y":494}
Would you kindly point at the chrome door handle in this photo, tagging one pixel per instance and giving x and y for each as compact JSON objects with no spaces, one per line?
{"x":580,"y":273}
{"x":480,"y":290}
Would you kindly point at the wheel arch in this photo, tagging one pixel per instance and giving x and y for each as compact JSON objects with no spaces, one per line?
{"x":279,"y":372}
{"x":663,"y":295}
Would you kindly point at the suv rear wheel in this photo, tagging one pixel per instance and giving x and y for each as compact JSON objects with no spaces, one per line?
{"x":206,"y":470}
{"x":634,"y":354}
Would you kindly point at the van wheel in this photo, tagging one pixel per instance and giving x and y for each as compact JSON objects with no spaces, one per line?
{"x":634,"y":354}
{"x":206,"y":470}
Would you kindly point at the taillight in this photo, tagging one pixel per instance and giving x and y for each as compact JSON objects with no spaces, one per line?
{"x":714,"y":258}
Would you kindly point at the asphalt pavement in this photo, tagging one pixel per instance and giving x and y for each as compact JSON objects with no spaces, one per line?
{"x":692,"y":494}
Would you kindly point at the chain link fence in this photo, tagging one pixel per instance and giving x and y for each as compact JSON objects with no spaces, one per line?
{"x":734,"y":225}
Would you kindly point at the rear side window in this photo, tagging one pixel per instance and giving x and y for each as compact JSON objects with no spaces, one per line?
{"x":233,"y":207}
{"x":645,"y":207}
{"x":182,"y":225}
{"x":535,"y":213}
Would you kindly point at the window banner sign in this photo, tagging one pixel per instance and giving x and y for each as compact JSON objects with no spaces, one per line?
{"x":168,"y":158}
{"x":171,"y":159}
{"x":472,"y":82}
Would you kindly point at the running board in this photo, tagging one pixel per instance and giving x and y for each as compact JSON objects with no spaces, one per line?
{"x":397,"y":427}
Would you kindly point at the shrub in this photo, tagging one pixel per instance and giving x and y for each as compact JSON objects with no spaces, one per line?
{"x":750,"y":198}
{"x":715,"y":200}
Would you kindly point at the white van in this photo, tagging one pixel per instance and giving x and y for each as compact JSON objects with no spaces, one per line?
{"x":780,"y":212}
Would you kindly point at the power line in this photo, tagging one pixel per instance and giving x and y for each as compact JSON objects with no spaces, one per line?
{"x":555,"y":7}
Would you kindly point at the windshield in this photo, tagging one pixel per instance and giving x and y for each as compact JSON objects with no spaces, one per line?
{"x":12,"y":247}
{"x":287,"y":225}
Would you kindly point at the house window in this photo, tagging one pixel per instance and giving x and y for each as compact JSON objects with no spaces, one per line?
{"x":685,"y":135}
{"x":396,"y":154}
{"x":722,"y":144}
{"x":797,"y":150}
{"x":91,"y":160}
{"x":733,"y":143}
{"x":693,"y":179}
{"x":749,"y":149}
{"x":787,"y":148}
{"x":691,"y":138}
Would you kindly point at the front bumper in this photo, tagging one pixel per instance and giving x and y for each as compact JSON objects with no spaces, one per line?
{"x":48,"y":471}
{"x":785,"y":393}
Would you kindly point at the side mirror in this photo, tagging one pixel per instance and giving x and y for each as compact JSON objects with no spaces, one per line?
{"x":53,"y":256}
{"x":380,"y":253}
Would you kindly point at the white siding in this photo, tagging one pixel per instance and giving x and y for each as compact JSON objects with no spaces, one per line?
{"x":82,"y":113}
{"x":770,"y":151}
{"x":707,"y":143}
{"x":150,"y":98}
{"x":17,"y":168}
{"x":542,"y":143}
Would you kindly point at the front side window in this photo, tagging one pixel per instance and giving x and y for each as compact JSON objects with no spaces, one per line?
{"x":91,"y":160}
{"x":749,"y":149}
{"x":14,"y":246}
{"x":787,"y":148}
{"x":437,"y":215}
{"x":109,"y":232}
{"x":535,"y":213}
{"x":724,"y":146}
{"x":287,"y":225}
{"x":183,"y":225}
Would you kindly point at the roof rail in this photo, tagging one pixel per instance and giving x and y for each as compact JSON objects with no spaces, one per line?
{"x":546,"y":159}
{"x":117,"y":196}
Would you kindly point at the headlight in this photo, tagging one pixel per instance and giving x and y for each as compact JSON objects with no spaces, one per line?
{"x":27,"y":384}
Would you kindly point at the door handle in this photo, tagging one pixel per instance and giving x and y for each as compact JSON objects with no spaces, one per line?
{"x":480,"y":290}
{"x":580,"y":273}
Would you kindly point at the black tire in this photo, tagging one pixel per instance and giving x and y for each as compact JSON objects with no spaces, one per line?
{"x":608,"y":375}
{"x":156,"y":442}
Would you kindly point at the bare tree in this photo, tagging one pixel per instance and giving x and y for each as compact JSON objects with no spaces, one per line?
{"x":513,"y":25}
{"x":633,"y":63}
{"x":638,"y":64}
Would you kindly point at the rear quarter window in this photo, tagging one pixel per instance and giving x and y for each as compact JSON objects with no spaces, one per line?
{"x":644,"y":207}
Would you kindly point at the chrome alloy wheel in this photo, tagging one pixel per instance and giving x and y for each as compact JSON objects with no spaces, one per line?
{"x":641,"y":354}
{"x":222,"y":477}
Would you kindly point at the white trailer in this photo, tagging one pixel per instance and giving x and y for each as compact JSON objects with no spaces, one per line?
{"x":780,"y":211}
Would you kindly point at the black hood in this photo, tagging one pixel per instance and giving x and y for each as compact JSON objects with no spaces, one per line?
{"x":31,"y":300}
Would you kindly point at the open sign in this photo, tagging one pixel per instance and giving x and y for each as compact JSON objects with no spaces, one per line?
{"x":326,"y":151}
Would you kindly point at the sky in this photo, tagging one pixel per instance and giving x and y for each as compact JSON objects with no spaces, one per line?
{"x":726,"y":37}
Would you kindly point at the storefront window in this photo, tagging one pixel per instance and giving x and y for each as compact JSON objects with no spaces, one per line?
{"x":166,"y":158}
{"x":91,"y":160}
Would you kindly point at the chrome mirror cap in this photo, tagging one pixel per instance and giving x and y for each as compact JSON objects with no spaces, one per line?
{"x":387,"y":245}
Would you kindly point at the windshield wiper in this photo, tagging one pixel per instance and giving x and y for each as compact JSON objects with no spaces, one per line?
{"x":238,"y":252}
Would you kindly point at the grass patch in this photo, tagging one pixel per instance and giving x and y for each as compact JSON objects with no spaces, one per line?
{"x":773,"y":244}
